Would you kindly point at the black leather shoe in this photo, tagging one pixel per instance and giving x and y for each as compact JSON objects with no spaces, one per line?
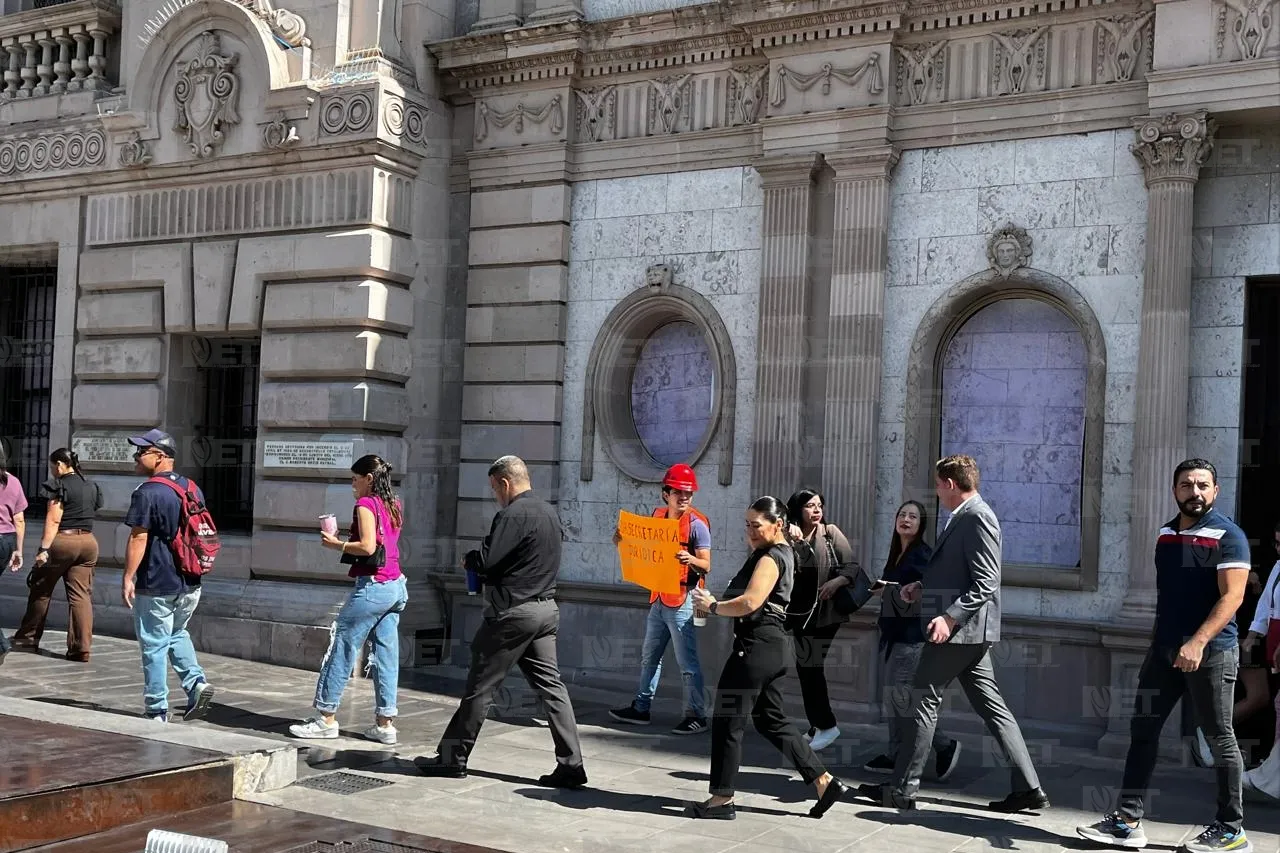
{"x":703,"y":811}
{"x":438,"y":769}
{"x":884,"y":795}
{"x":564,"y":776}
{"x":1022,"y":801}
{"x":835,"y":791}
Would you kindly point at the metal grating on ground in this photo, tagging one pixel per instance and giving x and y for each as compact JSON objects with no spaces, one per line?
{"x":368,"y":846}
{"x":342,"y":783}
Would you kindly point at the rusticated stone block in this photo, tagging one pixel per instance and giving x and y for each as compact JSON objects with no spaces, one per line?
{"x":126,"y":358}
{"x":127,"y":404}
{"x":519,"y":403}
{"x":542,"y":363}
{"x":357,"y":302}
{"x":350,"y":354}
{"x":213,"y":266}
{"x":137,"y":312}
{"x":532,"y":244}
{"x":361,"y":405}
{"x":293,"y":503}
{"x":514,"y":285}
{"x":515,"y":323}
{"x":531,"y":442}
{"x":520,"y":206}
{"x":473,"y":480}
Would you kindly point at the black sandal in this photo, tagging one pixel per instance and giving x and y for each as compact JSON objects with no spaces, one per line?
{"x":835,"y":791}
{"x":709,"y":812}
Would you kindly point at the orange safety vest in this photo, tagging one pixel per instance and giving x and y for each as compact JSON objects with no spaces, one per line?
{"x":686,"y":521}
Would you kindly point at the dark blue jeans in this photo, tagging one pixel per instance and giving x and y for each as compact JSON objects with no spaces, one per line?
{"x":8,"y":544}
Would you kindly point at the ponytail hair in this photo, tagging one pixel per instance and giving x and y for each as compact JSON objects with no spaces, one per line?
{"x":773,"y":510}
{"x":378,"y":468}
{"x":66,"y":457}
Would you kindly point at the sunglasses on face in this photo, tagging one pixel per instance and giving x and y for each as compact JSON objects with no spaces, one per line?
{"x":141,"y":453}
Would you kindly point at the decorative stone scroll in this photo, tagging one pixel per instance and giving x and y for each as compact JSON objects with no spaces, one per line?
{"x":1017,"y":51}
{"x":280,"y":135}
{"x":405,"y":120}
{"x":1251,"y":27}
{"x":1124,"y":44}
{"x":552,"y":113}
{"x":597,"y":113}
{"x":208,"y":94}
{"x":289,"y":27}
{"x":1174,"y":147}
{"x":350,"y":114}
{"x":135,"y":152}
{"x":53,"y":152}
{"x":804,"y":82}
{"x":1009,"y":249}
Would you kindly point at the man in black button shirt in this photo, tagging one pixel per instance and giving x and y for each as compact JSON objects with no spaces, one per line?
{"x":518,"y":563}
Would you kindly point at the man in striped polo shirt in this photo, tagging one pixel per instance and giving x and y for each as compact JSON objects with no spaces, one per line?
{"x":1202,"y":567}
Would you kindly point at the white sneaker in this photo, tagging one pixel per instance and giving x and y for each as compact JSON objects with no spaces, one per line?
{"x":381,"y":734}
{"x":824,"y":738}
{"x":314,"y":729}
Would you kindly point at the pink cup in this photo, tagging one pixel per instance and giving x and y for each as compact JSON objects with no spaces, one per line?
{"x":329,"y":524}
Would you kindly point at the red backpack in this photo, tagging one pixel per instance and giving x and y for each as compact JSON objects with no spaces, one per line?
{"x":195,"y":544}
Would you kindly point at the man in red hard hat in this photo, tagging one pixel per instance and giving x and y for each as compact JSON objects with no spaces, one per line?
{"x":671,"y":615}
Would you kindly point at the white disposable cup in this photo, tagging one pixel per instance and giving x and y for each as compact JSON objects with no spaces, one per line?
{"x":329,"y":524}
{"x":699,"y":621}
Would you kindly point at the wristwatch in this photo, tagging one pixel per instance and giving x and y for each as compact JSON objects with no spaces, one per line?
{"x":712,"y":608}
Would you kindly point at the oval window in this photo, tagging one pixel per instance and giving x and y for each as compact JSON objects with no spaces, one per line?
{"x":672,"y":389}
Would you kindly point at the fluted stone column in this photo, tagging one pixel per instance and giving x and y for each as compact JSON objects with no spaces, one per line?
{"x":855,"y":339}
{"x":497,"y":15}
{"x":1171,"y":149}
{"x":788,"y":184}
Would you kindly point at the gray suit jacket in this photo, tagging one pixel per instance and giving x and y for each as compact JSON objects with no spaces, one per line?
{"x":962,"y":578}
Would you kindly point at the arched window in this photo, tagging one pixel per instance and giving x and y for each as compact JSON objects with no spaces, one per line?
{"x":672,"y":392}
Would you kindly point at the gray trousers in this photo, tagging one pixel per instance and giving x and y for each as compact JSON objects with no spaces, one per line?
{"x":900,"y":674}
{"x":940,"y":664}
{"x":524,"y":636}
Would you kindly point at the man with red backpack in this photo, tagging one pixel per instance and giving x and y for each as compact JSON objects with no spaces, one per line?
{"x":172,"y":543}
{"x":671,"y":615}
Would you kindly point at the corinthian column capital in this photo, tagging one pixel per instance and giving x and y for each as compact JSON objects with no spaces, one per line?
{"x":1172,"y":147}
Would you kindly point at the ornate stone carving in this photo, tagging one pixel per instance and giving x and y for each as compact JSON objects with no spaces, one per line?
{"x":52,"y":152}
{"x":1124,"y":45}
{"x":280,"y":135}
{"x":208,"y":94}
{"x":658,"y":276}
{"x":1172,"y":147}
{"x":747,"y":94}
{"x":803,"y":82}
{"x":290,"y":28}
{"x":597,"y":113}
{"x":1014,"y":58}
{"x":921,"y":68}
{"x":1009,"y":249}
{"x":346,"y":114}
{"x":551,"y":112}
{"x":668,"y":103}
{"x":135,"y":152}
{"x":1251,"y":27}
{"x":405,"y":120}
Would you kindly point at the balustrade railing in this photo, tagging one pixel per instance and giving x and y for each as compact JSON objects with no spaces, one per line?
{"x":58,"y":47}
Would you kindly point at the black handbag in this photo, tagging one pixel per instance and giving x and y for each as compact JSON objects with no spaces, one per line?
{"x":849,"y":598}
{"x":372,"y":562}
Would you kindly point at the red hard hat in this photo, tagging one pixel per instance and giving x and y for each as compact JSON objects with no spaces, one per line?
{"x":681,"y":477}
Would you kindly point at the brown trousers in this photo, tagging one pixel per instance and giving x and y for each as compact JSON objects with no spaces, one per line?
{"x":72,"y":557}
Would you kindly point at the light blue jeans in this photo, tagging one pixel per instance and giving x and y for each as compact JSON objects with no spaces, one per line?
{"x":160,"y":622}
{"x":371,"y":611}
{"x":667,"y":623}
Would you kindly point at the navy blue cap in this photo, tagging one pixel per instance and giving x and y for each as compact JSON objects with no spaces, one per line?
{"x":158,"y":439}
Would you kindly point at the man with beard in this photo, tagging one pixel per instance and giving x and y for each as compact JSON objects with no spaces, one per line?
{"x":1202,"y":567}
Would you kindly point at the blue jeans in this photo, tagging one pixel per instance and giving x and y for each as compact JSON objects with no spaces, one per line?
{"x":372,"y":611}
{"x":160,"y":622}
{"x":8,"y":544}
{"x":665,"y":623}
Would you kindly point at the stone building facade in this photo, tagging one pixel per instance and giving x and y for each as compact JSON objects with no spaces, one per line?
{"x":789,"y":243}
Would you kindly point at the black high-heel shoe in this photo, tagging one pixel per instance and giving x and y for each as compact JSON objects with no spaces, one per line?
{"x":707,"y":812}
{"x":835,"y":791}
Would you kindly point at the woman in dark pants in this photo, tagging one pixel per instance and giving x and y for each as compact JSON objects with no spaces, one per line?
{"x":824,"y":563}
{"x":756,"y":600}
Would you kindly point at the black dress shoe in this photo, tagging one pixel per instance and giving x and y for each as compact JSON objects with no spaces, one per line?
{"x":705,"y":812}
{"x":1022,"y":801}
{"x":835,"y":791}
{"x":564,"y":776}
{"x":439,"y":769}
{"x":884,"y":795}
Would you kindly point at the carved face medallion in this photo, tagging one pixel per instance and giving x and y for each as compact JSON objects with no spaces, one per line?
{"x":1009,"y":249}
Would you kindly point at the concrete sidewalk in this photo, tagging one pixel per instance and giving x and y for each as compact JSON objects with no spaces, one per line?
{"x":640,"y":778}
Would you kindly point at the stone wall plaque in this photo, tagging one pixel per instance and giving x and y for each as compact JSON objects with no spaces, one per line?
{"x":102,"y":449}
{"x":307,"y":454}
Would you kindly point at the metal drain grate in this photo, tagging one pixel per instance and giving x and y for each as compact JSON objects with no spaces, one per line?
{"x":343,"y":783}
{"x":368,"y":846}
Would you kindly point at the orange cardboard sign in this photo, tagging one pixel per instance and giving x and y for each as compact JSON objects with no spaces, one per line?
{"x":648,"y":552}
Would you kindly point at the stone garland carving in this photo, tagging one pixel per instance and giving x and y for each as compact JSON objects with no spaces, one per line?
{"x":405,"y":121}
{"x":350,"y":114}
{"x":135,"y":152}
{"x":1173,"y":147}
{"x":1009,"y":249}
{"x":668,"y":102}
{"x":804,"y":82}
{"x":552,"y":112}
{"x":746,"y":94}
{"x":1251,"y":28}
{"x":207,"y":93}
{"x":921,"y":68}
{"x":69,"y":150}
{"x":280,"y":135}
{"x":1014,"y":55}
{"x":289,"y":27}
{"x":597,"y":113}
{"x":1124,"y":45}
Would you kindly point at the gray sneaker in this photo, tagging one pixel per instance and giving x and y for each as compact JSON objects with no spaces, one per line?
{"x":1115,"y":830}
{"x":315,"y":729}
{"x":382,"y":734}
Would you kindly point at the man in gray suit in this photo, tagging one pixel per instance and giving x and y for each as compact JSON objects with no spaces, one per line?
{"x":960,"y":599}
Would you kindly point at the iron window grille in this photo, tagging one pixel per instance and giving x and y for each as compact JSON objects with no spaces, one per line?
{"x":27,"y":300}
{"x":226,"y":436}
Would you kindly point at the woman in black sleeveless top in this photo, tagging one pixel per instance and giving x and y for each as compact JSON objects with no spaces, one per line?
{"x":749,"y":688}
